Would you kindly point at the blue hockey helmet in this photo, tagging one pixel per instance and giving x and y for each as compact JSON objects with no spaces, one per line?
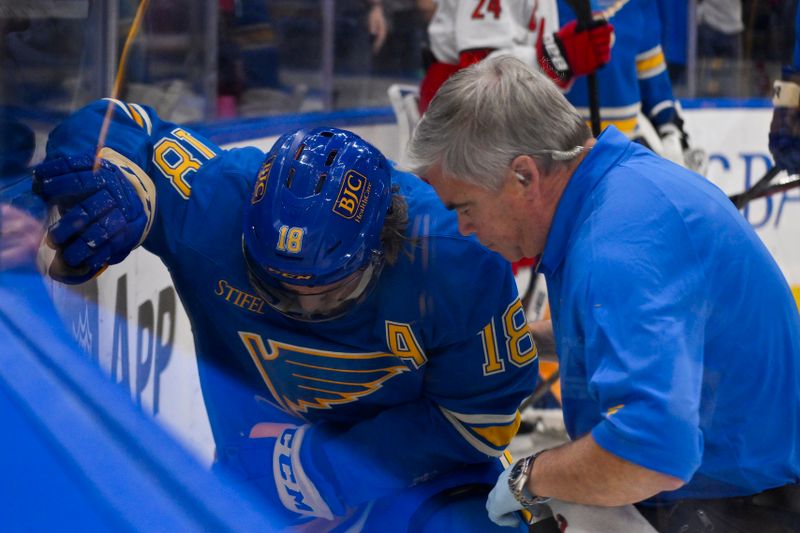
{"x":312,"y":230}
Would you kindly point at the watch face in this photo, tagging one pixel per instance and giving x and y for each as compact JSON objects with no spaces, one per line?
{"x":516,"y":478}
{"x":515,"y":473}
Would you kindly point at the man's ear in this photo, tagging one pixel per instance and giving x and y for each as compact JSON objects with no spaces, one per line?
{"x":525,"y":170}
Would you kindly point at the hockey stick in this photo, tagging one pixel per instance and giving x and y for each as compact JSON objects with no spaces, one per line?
{"x":530,"y":290}
{"x":583,"y":11}
{"x":741,"y":199}
{"x":542,"y":388}
{"x":120,"y":75}
{"x":763,"y":188}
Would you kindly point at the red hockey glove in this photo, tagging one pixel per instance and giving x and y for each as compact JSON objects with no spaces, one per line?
{"x":568,"y":52}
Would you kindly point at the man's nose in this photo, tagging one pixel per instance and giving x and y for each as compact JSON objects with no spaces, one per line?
{"x":465,"y":227}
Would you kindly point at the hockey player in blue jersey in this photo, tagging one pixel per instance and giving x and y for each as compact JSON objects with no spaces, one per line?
{"x":635,"y":85}
{"x":784,"y":131}
{"x":361,"y":362}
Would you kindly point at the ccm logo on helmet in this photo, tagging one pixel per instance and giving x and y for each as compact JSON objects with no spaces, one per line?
{"x":353,"y":196}
{"x":261,"y":181}
{"x":287,"y":275}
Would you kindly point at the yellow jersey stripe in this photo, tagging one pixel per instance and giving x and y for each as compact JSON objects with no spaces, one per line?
{"x":136,"y":116}
{"x":499,"y":436}
{"x":626,"y":126}
{"x":148,"y":125}
{"x":650,"y":63}
{"x":506,"y":459}
{"x":474,"y":441}
{"x":645,"y":74}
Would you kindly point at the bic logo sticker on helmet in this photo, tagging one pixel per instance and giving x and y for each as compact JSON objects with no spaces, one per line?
{"x":261,"y":181}
{"x":353,"y":196}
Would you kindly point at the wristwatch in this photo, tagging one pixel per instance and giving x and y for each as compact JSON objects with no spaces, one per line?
{"x":518,"y":481}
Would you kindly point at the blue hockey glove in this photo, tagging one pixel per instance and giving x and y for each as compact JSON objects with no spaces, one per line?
{"x":285,"y":462}
{"x":105,"y":211}
{"x":784,"y":131}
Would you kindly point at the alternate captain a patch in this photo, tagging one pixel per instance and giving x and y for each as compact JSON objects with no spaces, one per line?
{"x":301,"y":378}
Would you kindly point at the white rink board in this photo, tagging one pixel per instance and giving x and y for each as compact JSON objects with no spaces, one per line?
{"x":736,"y":140}
{"x":160,"y":372}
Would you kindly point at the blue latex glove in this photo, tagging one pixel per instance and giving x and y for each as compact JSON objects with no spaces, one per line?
{"x":784,"y":131}
{"x":105,"y":212}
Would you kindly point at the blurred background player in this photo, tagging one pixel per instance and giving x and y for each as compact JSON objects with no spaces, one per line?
{"x":635,"y":84}
{"x":784,"y":132}
{"x":464,"y":32}
{"x":341,"y":359}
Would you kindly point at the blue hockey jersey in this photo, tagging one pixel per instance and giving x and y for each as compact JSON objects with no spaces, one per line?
{"x":425,"y":376}
{"x":636,"y":77}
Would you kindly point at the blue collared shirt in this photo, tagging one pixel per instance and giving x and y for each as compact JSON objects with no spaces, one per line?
{"x":677,"y":334}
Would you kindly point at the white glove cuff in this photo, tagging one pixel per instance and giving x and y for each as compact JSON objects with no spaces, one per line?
{"x":785,"y":94}
{"x":295,"y":489}
{"x":145,"y":188}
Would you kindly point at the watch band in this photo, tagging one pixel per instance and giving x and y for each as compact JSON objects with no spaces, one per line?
{"x":518,"y":481}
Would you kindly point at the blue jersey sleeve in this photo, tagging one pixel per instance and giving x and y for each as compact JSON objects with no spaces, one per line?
{"x":481,"y":364}
{"x":172,"y":156}
{"x":651,"y":70}
{"x":636,"y":78}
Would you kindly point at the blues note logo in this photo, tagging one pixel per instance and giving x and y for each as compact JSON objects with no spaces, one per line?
{"x":302,"y":378}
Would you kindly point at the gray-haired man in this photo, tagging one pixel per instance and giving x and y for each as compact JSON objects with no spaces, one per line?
{"x":661,"y":296}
